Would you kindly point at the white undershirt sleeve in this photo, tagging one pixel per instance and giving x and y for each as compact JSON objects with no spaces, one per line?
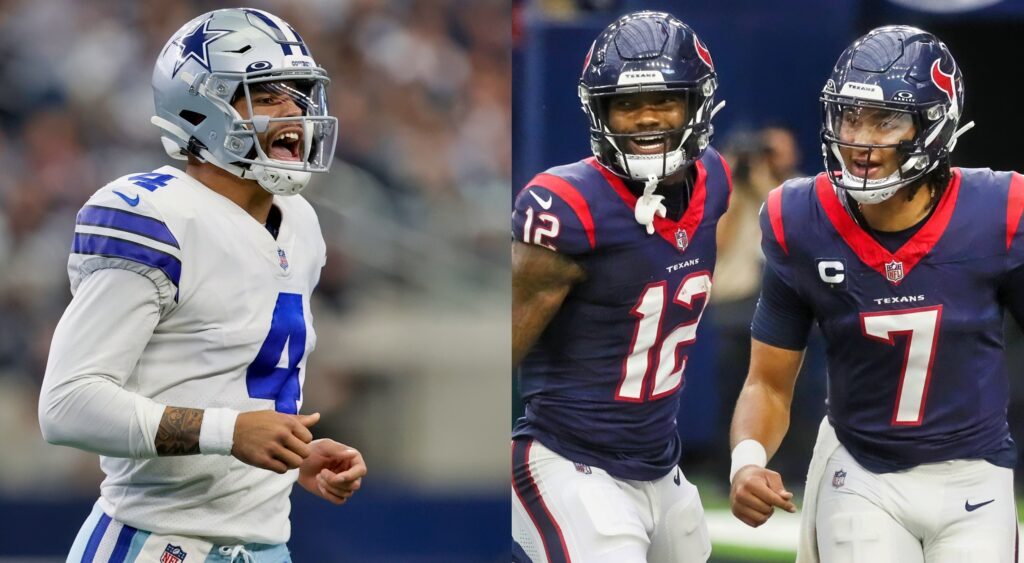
{"x":84,"y":402}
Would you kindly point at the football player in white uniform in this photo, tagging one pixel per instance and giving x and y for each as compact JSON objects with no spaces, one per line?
{"x":181,"y":357}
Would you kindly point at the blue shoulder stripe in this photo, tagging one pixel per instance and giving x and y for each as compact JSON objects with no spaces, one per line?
{"x":102,"y":245}
{"x":128,"y":222}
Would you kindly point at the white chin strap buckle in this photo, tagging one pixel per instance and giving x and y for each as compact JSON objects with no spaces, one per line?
{"x":648,"y":205}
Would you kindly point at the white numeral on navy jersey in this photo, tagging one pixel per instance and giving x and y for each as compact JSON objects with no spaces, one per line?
{"x":922,"y":329}
{"x":669,"y":367}
{"x":547,"y":227}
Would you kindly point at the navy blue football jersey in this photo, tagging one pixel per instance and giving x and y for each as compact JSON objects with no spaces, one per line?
{"x":602,"y":383}
{"x":914,"y":337}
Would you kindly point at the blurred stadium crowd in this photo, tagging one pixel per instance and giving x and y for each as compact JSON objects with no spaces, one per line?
{"x":414,"y":213}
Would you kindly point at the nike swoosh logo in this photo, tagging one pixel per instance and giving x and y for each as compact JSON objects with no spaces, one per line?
{"x":130,"y":201}
{"x":545,"y":203}
{"x":972,"y":507}
{"x":676,"y":478}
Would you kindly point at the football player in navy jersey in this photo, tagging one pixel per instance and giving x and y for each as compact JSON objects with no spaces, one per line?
{"x":908,"y":266}
{"x":612,"y":263}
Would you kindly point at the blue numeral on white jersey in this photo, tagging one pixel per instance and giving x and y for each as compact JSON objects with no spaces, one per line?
{"x":264,"y":379}
{"x":151,"y":180}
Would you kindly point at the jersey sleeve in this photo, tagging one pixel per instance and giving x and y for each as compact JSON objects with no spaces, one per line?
{"x":782,"y":317}
{"x":84,"y":401}
{"x":725,"y":199}
{"x":114,"y":230}
{"x":1011,"y":289}
{"x":1014,"y":226}
{"x":552,"y":213}
{"x":773,"y":236}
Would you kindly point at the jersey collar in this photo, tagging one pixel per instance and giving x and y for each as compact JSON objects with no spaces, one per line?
{"x":895,"y":266}
{"x":677,"y":233}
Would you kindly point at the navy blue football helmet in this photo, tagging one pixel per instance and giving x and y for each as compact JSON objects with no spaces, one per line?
{"x":900,"y":75}
{"x":643,"y":52}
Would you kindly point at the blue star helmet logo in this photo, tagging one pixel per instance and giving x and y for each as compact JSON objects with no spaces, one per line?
{"x":195,"y":45}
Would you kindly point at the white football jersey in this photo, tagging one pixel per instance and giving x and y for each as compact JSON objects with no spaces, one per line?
{"x":235,"y":331}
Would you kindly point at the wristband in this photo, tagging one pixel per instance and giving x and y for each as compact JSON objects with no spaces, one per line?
{"x":217,"y":433}
{"x":747,"y":452}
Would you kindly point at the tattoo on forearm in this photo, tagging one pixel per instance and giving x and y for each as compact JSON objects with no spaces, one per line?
{"x":178,"y":433}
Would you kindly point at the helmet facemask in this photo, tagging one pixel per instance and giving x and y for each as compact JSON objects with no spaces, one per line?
{"x":316,"y":131}
{"x":889,"y":123}
{"x":680,"y":146}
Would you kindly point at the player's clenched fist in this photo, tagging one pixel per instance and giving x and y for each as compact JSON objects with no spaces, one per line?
{"x":333,"y":471}
{"x":273,"y":440}
{"x":756,"y":491}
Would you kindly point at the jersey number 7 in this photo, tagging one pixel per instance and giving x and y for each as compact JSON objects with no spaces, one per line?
{"x":921,"y":326}
{"x":266,"y":378}
{"x":659,"y":376}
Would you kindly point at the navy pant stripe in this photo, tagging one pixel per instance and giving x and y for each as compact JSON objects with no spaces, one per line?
{"x":124,"y":542}
{"x":94,"y":539}
{"x":529,"y":494}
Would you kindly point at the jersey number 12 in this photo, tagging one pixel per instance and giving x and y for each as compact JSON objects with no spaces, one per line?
{"x":265,"y":379}
{"x":659,"y":376}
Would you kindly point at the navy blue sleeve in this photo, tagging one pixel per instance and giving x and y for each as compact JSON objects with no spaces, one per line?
{"x":782,"y":318}
{"x":550,"y":212}
{"x":1011,"y":294}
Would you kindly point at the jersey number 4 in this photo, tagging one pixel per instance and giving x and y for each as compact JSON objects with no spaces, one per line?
{"x":657,"y":377}
{"x":921,"y":327}
{"x":266,"y":377}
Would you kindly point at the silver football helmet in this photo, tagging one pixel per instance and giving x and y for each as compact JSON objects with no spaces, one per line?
{"x":223,"y":57}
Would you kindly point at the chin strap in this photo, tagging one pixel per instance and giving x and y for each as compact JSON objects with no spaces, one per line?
{"x":960,"y":131}
{"x":648,"y":205}
{"x":718,"y":107}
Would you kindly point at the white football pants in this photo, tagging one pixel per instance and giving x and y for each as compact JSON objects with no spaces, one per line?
{"x":959,"y":511}
{"x":564,"y":511}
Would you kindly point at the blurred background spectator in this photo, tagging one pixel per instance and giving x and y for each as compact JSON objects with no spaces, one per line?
{"x":412,"y":310}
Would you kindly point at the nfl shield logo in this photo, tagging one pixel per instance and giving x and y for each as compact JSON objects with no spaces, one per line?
{"x":582,"y":468}
{"x":284,"y":259}
{"x":681,"y":240}
{"x":894,"y":271}
{"x":173,"y":554}
{"x":839,"y":479}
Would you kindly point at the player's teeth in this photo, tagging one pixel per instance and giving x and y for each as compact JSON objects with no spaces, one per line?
{"x":287,"y":137}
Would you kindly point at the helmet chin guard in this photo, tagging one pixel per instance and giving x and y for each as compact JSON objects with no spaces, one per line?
{"x":277,"y":180}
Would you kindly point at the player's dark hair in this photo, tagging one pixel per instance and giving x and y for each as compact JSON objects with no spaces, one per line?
{"x":938,"y":179}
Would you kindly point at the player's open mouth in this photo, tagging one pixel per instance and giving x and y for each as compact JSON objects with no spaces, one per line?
{"x":286,"y":145}
{"x":654,"y":144}
{"x":863,"y":168}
